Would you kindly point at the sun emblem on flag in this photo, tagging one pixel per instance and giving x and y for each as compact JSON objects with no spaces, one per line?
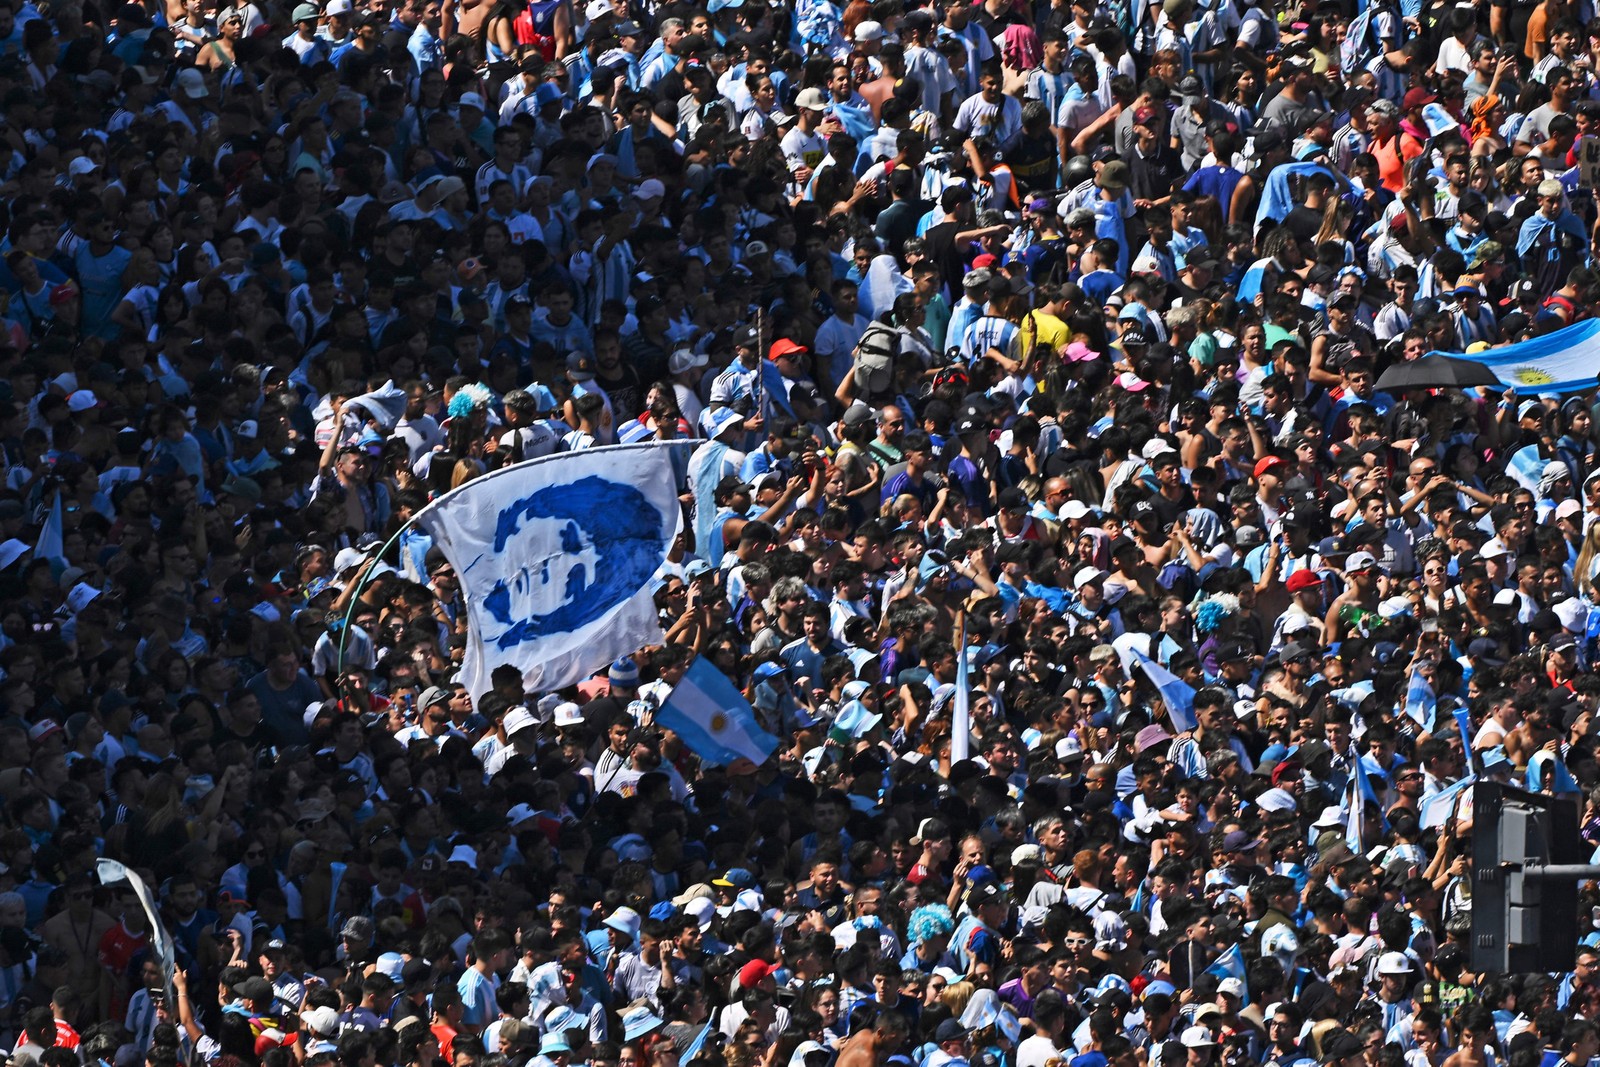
{"x":1532,"y":376}
{"x":719,"y":722}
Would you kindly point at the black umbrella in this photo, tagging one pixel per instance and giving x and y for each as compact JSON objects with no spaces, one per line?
{"x":1435,"y":371}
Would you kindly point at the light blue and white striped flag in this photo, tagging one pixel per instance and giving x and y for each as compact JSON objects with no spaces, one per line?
{"x":1231,"y":965}
{"x":51,"y":535}
{"x":1357,"y":812}
{"x":1436,"y":809}
{"x":1526,"y":466}
{"x":1176,"y":693}
{"x":714,"y":719}
{"x":1419,"y":699}
{"x":1565,"y":361}
{"x":961,"y":708}
{"x":1255,"y":276}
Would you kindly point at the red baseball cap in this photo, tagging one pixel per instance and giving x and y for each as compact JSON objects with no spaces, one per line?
{"x":1416,"y":98}
{"x":785,"y":347}
{"x":1303,"y":580}
{"x":751,"y":974}
{"x":1266,"y":463}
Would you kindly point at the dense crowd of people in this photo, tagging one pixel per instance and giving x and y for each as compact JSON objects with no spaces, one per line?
{"x":1035,"y":360}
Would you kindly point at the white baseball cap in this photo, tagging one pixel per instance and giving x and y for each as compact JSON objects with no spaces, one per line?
{"x":1394,"y":963}
{"x":1359,"y":561}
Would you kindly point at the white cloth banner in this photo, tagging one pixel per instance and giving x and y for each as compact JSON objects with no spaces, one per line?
{"x":555,"y":558}
{"x":110,"y":872}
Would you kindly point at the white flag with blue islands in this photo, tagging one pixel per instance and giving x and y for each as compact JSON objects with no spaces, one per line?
{"x":1565,"y":361}
{"x":555,"y":558}
{"x":714,"y":719}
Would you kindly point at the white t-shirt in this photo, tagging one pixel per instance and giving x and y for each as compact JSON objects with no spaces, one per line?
{"x":1036,"y":1051}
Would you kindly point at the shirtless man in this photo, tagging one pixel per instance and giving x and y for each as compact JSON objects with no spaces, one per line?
{"x":872,"y":1047}
{"x":1529,"y":736}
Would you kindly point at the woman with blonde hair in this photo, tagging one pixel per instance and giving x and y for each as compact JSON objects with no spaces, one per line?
{"x":464,"y":471}
{"x":1587,"y":563}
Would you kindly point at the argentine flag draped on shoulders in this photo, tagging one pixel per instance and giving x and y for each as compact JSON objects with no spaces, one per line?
{"x":710,"y":463}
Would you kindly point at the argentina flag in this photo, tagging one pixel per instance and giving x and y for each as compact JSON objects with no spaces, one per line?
{"x":1526,"y":466}
{"x":1231,"y":965}
{"x":1255,"y":277}
{"x":1176,"y":693}
{"x":1566,"y":361}
{"x":1437,"y":809}
{"x":714,"y":719}
{"x":1420,"y":700}
{"x":555,"y":557}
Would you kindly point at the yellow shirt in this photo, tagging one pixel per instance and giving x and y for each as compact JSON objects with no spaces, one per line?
{"x":1039,"y":328}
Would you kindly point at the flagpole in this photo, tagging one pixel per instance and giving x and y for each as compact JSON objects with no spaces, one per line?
{"x":961,"y":716}
{"x":366,"y":575}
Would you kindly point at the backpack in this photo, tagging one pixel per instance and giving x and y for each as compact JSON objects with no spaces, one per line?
{"x":875,"y":354}
{"x":1359,"y":45}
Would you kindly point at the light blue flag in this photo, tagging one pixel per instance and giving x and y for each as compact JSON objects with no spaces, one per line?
{"x":1176,"y":693}
{"x":1526,"y":466}
{"x":961,"y":710}
{"x":1547,"y":771}
{"x":1352,"y":819}
{"x":1436,"y":809}
{"x":336,"y":873}
{"x":49,"y":545}
{"x":1420,"y":699}
{"x":1358,"y":789}
{"x":1565,"y":361}
{"x":1255,"y":276}
{"x":1463,"y":719}
{"x":556,"y":558}
{"x":714,"y":719}
{"x":1277,"y":198}
{"x":1231,"y":965}
{"x":1438,"y":119}
{"x":1369,"y":766}
{"x":697,"y":1044}
{"x":857,"y":122}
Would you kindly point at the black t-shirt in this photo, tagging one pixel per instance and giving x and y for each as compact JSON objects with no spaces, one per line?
{"x":941,"y":241}
{"x":1303,"y":222}
{"x":1171,"y":511}
{"x":625,"y":391}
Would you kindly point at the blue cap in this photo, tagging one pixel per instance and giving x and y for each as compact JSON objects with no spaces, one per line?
{"x":543,"y":398}
{"x":724,"y":419}
{"x":624,"y":672}
{"x":855,"y":719}
{"x":663,"y":911}
{"x":735,"y":878}
{"x":767,"y":670}
{"x":546,"y":93}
